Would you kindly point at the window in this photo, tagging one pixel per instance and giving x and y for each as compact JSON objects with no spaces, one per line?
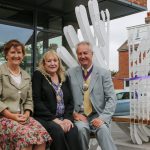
{"x":45,"y":41}
{"x":122,"y":95}
{"x":24,"y":35}
{"x":126,"y":83}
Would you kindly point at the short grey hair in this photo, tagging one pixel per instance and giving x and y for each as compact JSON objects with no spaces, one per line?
{"x":84,"y":43}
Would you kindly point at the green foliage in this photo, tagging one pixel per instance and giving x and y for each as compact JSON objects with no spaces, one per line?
{"x":113,"y":73}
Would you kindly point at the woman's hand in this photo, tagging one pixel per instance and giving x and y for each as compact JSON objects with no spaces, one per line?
{"x":19,"y":118}
{"x":59,"y":122}
{"x":68,"y":125}
{"x":25,"y":117}
{"x":16,"y":117}
{"x":65,"y":124}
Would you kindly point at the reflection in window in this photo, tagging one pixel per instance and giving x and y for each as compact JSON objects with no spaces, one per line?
{"x":40,"y":51}
{"x":55,"y":42}
{"x":40,"y":47}
{"x":27,"y":60}
{"x":45,"y":41}
{"x":2,"y":59}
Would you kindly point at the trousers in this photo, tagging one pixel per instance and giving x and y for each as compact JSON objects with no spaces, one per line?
{"x":61,"y":140}
{"x":102,"y":134}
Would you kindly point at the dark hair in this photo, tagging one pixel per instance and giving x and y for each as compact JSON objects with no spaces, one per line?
{"x":13,"y":43}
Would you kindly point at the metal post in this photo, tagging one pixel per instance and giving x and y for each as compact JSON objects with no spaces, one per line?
{"x":34,"y":44}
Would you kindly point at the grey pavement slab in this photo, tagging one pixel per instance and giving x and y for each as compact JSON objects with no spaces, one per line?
{"x":122,"y":138}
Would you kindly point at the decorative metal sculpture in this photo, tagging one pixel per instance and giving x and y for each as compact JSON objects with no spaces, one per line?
{"x":99,"y":39}
{"x":139,"y":64}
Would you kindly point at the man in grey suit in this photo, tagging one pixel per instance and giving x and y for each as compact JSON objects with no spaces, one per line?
{"x":94,"y":99}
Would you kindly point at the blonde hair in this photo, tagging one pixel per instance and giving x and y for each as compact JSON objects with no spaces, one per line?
{"x":61,"y":69}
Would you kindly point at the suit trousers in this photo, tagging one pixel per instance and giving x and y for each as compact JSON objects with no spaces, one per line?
{"x":61,"y":140}
{"x":102,"y":134}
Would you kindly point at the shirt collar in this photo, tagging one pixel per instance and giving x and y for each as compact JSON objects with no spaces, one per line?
{"x":88,"y":68}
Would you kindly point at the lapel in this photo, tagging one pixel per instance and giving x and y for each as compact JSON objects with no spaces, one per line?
{"x":79,"y":76}
{"x":94,"y":77}
{"x":24,"y":76}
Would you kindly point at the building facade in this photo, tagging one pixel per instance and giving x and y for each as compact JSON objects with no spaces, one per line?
{"x":139,"y":2}
{"x":123,"y":73}
{"x":39,"y":24}
{"x":119,"y":80}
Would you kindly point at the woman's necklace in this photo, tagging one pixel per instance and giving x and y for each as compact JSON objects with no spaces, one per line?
{"x":58,"y":97}
{"x":14,"y":73}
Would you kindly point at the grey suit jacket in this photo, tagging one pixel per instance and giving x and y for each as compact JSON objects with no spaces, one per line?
{"x":102,"y":93}
{"x":13,"y":96}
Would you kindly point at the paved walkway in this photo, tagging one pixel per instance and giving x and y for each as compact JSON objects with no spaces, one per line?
{"x":122,"y":139}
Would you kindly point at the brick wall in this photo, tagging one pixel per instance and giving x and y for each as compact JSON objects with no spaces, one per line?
{"x":123,"y":70}
{"x":139,"y":2}
{"x":123,"y":64}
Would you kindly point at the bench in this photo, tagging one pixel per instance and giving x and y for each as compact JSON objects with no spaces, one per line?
{"x":127,"y":119}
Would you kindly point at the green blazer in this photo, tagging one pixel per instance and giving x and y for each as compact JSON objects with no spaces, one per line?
{"x":13,"y":96}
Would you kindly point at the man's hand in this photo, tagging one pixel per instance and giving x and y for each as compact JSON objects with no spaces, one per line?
{"x":97,"y":122}
{"x":79,"y":117}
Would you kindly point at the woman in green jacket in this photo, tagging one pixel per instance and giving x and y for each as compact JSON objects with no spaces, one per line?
{"x":17,"y":129}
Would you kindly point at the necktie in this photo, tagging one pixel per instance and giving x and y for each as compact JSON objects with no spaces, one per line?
{"x":85,"y":72}
{"x":86,"y":102}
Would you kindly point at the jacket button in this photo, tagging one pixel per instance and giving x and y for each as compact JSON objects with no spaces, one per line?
{"x":19,"y":92}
